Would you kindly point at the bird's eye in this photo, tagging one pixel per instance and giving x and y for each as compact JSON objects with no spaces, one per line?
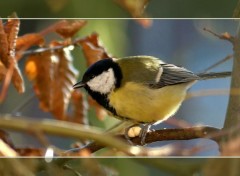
{"x":91,"y":76}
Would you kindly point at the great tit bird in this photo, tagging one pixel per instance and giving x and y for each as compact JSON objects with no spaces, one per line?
{"x":140,"y":88}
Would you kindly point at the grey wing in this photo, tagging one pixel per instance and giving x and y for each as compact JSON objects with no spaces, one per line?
{"x":173,"y":74}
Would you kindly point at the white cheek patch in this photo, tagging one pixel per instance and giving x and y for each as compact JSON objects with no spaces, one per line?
{"x":103,"y":83}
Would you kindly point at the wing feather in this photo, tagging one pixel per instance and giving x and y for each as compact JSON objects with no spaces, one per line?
{"x":173,"y":74}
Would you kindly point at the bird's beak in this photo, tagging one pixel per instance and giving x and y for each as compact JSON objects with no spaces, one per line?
{"x":79,"y":85}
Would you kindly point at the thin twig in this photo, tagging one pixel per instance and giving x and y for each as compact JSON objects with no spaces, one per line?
{"x":228,"y":57}
{"x":40,"y":50}
{"x":23,"y":104}
{"x":225,"y":36}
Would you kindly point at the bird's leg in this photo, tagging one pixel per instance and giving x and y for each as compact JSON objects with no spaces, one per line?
{"x":142,"y":134}
{"x":144,"y":131}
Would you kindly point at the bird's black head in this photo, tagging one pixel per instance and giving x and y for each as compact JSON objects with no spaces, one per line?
{"x":102,"y":77}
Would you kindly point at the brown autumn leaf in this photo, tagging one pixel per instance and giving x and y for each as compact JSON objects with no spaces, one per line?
{"x":79,"y":107}
{"x":3,"y":71}
{"x":93,"y":49}
{"x":8,"y":36}
{"x":28,"y":40}
{"x":65,"y":76}
{"x":11,"y":29}
{"x":38,"y":69}
{"x":53,"y":75}
{"x":68,"y":28}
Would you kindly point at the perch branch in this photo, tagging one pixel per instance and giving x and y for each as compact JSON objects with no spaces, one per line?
{"x":67,"y":129}
{"x":78,"y":131}
{"x":163,"y":135}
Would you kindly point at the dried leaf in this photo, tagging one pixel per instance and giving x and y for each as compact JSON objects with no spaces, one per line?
{"x":11,"y":29}
{"x":28,"y":40}
{"x":134,"y":7}
{"x":3,"y":71}
{"x":92,"y":49}
{"x":68,"y":29}
{"x":38,"y":68}
{"x":17,"y":79}
{"x":6,"y":82}
{"x":65,"y":76}
{"x":80,"y":107}
{"x":4,"y":46}
{"x":8,"y":35}
{"x":53,"y":75}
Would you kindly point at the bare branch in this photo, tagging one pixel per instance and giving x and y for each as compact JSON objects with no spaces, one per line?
{"x":67,"y":129}
{"x":163,"y":135}
{"x":41,"y":50}
{"x":228,"y":57}
{"x":233,"y":115}
{"x":78,"y":131}
{"x":224,"y":36}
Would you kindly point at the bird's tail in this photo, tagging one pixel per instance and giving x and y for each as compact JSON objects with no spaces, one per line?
{"x":213,"y":75}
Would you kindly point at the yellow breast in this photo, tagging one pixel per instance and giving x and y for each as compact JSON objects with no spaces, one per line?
{"x":143,"y":104}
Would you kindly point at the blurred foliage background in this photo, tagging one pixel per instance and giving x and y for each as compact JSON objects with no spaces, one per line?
{"x":109,"y":9}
